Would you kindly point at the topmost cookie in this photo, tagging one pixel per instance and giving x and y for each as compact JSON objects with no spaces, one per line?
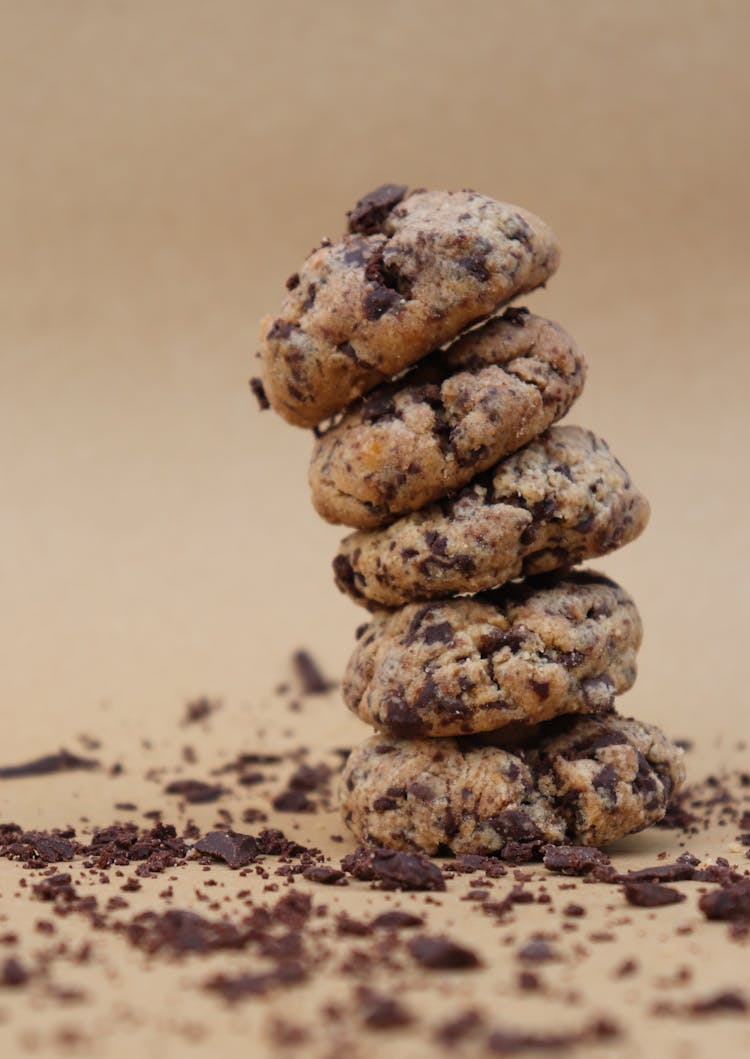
{"x":414,"y":271}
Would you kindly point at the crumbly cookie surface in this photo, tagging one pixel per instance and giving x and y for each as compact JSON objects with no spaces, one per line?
{"x":561,"y":499}
{"x":522,"y":654}
{"x":608,"y":776}
{"x":589,"y":781}
{"x":414,"y":271}
{"x":456,"y":414}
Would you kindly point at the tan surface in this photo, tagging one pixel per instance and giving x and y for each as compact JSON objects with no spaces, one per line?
{"x":166,"y":165}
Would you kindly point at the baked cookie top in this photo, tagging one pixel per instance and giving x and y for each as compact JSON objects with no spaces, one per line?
{"x":524,"y":653}
{"x":414,"y":271}
{"x":457,"y":413}
{"x":561,"y":499}
{"x":585,"y":781}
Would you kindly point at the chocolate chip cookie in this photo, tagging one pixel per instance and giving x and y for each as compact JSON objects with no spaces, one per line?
{"x":588,"y":781}
{"x":524,"y":653}
{"x":561,"y":499}
{"x":414,"y":271}
{"x":456,"y":414}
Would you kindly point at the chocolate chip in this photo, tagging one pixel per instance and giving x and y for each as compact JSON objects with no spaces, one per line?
{"x":729,"y":1000}
{"x":650,"y":895}
{"x":731,"y":903}
{"x":259,"y":393}
{"x":402,"y":719}
{"x":666,"y":873}
{"x":344,"y":574}
{"x":371,"y":211}
{"x":395,"y":919}
{"x":292,"y":281}
{"x":540,"y":688}
{"x":195,"y":791}
{"x":538,"y":950}
{"x":280,"y":329}
{"x":440,"y":953}
{"x":605,"y":781}
{"x":377,"y":407}
{"x":378,"y":300}
{"x":383,"y":1012}
{"x":574,"y":860}
{"x":309,"y":674}
{"x":515,"y":825}
{"x":13,"y":973}
{"x":422,"y":792}
{"x":441,"y":633}
{"x":234,"y":849}
{"x":291,"y":801}
{"x":476,"y":266}
{"x":64,"y":761}
{"x":393,"y":869}
{"x":323,"y":873}
{"x":199,"y":709}
{"x":457,"y":1029}
{"x":236,"y":987}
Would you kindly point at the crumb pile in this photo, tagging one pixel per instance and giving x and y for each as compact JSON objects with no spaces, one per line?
{"x":491,"y":664}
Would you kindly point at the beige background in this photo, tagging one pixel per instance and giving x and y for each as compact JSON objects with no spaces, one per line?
{"x":166,"y":165}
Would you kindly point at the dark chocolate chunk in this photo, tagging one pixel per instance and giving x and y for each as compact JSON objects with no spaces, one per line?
{"x":394,"y":870}
{"x":13,"y":973}
{"x":199,"y":709}
{"x":395,"y":919}
{"x":234,"y":849}
{"x":538,"y":950}
{"x":237,"y":987}
{"x":195,"y":791}
{"x":732,"y":903}
{"x":729,"y":1000}
{"x":64,"y":761}
{"x":309,"y":674}
{"x":574,"y":860}
{"x":372,"y":209}
{"x":650,"y":895}
{"x":259,"y":393}
{"x":291,"y":801}
{"x":383,"y":1012}
{"x":441,"y":953}
{"x":323,"y":873}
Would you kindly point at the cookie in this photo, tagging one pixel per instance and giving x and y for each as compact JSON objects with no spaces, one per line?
{"x":413,"y":272}
{"x":457,"y":413}
{"x":441,"y":794}
{"x":590,"y":781}
{"x":561,"y":499}
{"x":522,"y":654}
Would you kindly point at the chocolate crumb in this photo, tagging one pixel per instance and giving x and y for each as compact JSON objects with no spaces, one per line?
{"x":195,"y":792}
{"x":64,"y":761}
{"x":394,"y":870}
{"x":309,"y":674}
{"x":441,"y":953}
{"x":650,"y":895}
{"x":395,"y":919}
{"x":13,"y":973}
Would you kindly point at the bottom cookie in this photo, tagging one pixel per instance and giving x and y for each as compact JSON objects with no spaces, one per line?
{"x":584,"y":780}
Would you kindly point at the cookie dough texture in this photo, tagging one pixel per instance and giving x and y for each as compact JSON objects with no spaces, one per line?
{"x":561,"y":499}
{"x":588,"y":781}
{"x":456,"y":414}
{"x":414,"y":271}
{"x":522,"y":654}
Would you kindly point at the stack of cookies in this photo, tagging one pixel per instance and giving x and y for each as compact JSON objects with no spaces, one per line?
{"x":492,"y":696}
